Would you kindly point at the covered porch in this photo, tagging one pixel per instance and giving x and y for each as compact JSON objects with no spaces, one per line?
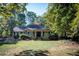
{"x":35,"y":34}
{"x":33,"y":31}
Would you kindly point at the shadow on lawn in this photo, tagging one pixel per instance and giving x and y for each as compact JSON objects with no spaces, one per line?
{"x":33,"y":53}
{"x":74,"y":54}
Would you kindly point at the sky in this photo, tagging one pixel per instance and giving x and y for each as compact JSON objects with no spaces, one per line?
{"x":38,"y":8}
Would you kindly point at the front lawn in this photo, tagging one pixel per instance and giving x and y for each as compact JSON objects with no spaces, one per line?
{"x":54,"y":47}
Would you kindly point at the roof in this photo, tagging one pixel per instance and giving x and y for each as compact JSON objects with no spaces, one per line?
{"x":28,"y":27}
{"x":16,"y":29}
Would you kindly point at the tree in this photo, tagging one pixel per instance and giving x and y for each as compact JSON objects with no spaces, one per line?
{"x":40,"y":20}
{"x":75,"y":22}
{"x":19,"y":16}
{"x":59,"y":18}
{"x":11,"y":10}
{"x":6,"y":14}
{"x":31,"y":16}
{"x":21,"y":19}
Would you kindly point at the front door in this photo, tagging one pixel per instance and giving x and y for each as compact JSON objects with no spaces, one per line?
{"x":38,"y":35}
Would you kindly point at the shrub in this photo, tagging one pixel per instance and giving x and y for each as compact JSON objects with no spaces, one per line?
{"x":25,"y":37}
{"x":75,"y":38}
{"x":53,"y":36}
{"x":9,"y":40}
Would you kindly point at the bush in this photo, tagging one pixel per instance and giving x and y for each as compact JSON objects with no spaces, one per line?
{"x":24,"y":37}
{"x":75,"y":38}
{"x":9,"y":40}
{"x":54,"y":36}
{"x":2,"y":40}
{"x":16,"y":36}
{"x":4,"y":34}
{"x":64,"y":37}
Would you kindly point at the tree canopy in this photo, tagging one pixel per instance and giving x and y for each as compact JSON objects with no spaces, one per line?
{"x":9,"y":13}
{"x":60,"y":16}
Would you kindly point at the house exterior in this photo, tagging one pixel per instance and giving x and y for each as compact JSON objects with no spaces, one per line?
{"x":33,"y":30}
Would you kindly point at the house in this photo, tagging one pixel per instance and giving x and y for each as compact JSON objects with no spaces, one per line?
{"x":33,"y":30}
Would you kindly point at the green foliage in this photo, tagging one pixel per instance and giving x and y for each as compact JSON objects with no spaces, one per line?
{"x":40,"y":20}
{"x":31,"y":16}
{"x":22,"y":35}
{"x":21,"y":18}
{"x":59,"y":18}
{"x":4,"y":34}
{"x":9,"y":13}
{"x":75,"y":22}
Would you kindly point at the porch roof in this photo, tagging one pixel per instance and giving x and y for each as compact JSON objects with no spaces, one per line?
{"x":32,"y":27}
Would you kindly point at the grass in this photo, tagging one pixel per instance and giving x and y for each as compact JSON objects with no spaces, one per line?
{"x":51,"y":46}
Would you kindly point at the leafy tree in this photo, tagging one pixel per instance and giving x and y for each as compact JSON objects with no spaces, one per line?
{"x":31,"y":16}
{"x":75,"y":22}
{"x":40,"y":20}
{"x":11,"y":10}
{"x":59,"y":17}
{"x":21,"y":18}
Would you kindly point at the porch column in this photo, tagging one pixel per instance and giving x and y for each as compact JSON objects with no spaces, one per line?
{"x":41,"y":34}
{"x":35,"y":34}
{"x":27,"y":33}
{"x":46,"y":35}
